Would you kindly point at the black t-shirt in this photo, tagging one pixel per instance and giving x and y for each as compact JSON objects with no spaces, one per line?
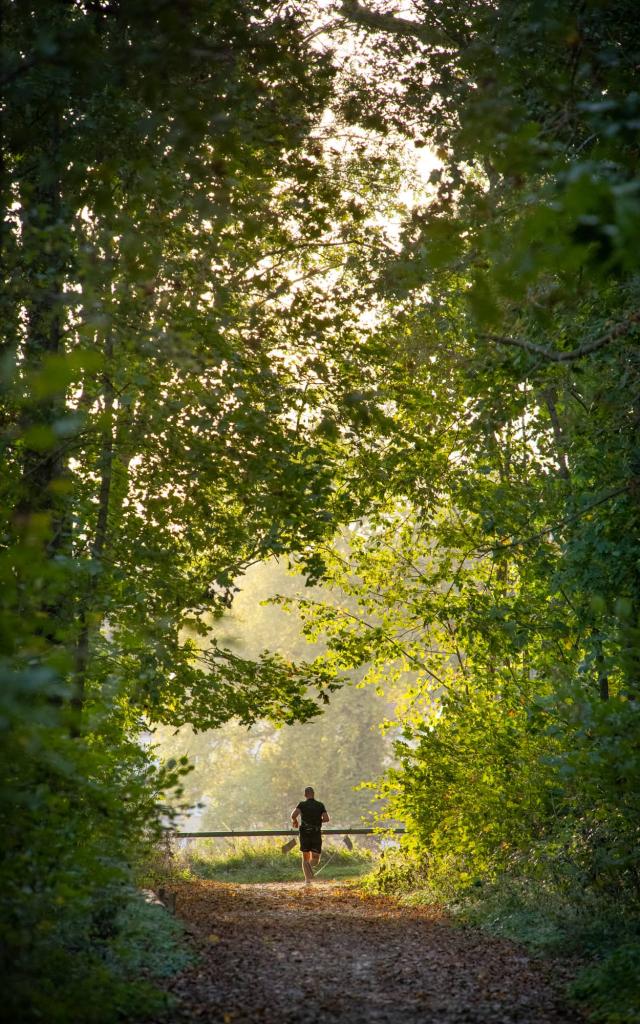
{"x":311,"y":812}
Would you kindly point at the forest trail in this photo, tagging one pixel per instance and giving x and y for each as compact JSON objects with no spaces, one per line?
{"x":285,"y":953}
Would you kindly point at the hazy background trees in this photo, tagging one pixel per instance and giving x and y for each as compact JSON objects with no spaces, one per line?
{"x":252,"y":778}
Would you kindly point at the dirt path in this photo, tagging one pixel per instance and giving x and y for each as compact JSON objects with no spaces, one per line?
{"x":281,"y":953}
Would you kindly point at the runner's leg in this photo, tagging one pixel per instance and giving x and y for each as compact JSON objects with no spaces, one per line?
{"x":306,"y":866}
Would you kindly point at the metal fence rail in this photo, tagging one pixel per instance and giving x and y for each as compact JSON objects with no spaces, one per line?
{"x":288,"y":832}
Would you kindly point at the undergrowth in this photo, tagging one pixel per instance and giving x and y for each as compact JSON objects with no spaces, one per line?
{"x":130,"y":947}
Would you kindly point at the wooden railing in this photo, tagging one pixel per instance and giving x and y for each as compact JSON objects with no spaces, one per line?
{"x":287,"y":832}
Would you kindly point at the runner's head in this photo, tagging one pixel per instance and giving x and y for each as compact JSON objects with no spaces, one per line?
{"x":309,"y":792}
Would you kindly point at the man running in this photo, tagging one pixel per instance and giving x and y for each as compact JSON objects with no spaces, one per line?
{"x":312,"y":813}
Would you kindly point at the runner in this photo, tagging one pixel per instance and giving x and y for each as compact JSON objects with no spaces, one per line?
{"x":313,"y":814}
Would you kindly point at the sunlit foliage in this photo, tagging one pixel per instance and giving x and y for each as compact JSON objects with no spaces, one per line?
{"x":171,"y":220}
{"x":228,"y":334}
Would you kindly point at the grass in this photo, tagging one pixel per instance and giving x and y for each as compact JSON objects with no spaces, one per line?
{"x":265,"y":862}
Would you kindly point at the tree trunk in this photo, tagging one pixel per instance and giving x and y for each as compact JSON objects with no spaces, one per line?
{"x":99,"y":541}
{"x":41,"y":516}
{"x":550,"y":398}
{"x":602,"y":677}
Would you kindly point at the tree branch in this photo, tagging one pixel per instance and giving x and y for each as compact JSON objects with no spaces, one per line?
{"x":555,"y":526}
{"x":389,"y":639}
{"x":555,"y":356}
{"x":356,"y":12}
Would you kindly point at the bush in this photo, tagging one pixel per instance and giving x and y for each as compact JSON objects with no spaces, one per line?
{"x":611,"y":987}
{"x":78,"y":813}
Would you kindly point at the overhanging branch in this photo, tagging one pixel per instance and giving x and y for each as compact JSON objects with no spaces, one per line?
{"x":397,"y":26}
{"x":521,"y":541}
{"x":554,"y":356}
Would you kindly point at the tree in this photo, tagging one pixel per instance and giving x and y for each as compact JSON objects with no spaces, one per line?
{"x":169,"y":215}
{"x":500,"y":557}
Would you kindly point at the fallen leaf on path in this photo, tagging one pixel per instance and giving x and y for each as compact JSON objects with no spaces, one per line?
{"x":289,"y":954}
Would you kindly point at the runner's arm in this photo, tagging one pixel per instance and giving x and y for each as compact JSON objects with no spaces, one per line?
{"x":325,"y":816}
{"x":295,"y":814}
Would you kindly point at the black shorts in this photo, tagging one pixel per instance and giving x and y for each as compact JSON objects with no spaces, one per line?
{"x":311,"y":841}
